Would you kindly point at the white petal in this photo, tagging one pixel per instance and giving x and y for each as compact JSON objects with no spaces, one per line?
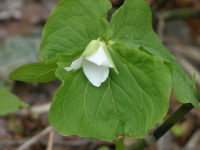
{"x":99,"y":58}
{"x":75,"y":64}
{"x":95,"y":74}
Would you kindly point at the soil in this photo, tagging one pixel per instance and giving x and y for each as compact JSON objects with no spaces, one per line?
{"x":27,"y":16}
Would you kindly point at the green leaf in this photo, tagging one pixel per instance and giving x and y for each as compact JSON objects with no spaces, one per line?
{"x":9,"y":102}
{"x":132,"y":25}
{"x":72,"y":25}
{"x":35,"y":72}
{"x":129,"y":103}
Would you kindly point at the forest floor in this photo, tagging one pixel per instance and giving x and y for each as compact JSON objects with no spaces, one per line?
{"x":21,"y":23}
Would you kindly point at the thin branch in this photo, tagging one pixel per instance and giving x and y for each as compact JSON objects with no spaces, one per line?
{"x":162,"y":129}
{"x":189,"y":68}
{"x":39,"y":109}
{"x":50,"y":142}
{"x":183,"y":13}
{"x":161,"y":26}
{"x":35,"y":138}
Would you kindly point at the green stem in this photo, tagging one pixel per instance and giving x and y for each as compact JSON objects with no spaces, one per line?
{"x":120,"y":145}
{"x":172,"y":120}
{"x":163,"y":128}
{"x":139,"y":145}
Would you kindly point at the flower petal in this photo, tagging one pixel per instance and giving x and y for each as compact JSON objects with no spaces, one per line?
{"x":95,"y":74}
{"x":75,"y":64}
{"x":99,"y":58}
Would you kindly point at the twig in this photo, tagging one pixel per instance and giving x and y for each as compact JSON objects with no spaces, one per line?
{"x":12,"y":64}
{"x":189,"y":68}
{"x":162,"y":129}
{"x":183,"y":49}
{"x":161,"y":26}
{"x":35,"y":138}
{"x":184,"y":13}
{"x":35,"y":109}
{"x":50,"y":142}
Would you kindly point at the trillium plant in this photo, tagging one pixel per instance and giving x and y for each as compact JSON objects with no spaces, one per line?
{"x":116,"y":75}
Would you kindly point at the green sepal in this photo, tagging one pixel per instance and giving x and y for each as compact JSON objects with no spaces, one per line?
{"x":91,"y":48}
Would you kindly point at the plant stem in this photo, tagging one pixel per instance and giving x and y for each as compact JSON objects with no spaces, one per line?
{"x":172,"y":120}
{"x":139,"y":145}
{"x":163,"y":128}
{"x":120,"y":145}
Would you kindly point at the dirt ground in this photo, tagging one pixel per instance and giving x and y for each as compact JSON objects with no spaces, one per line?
{"x":21,"y":23}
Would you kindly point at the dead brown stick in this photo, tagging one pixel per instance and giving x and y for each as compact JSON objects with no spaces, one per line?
{"x":12,"y":64}
{"x":39,"y":109}
{"x":189,"y":68}
{"x":50,"y":142}
{"x":161,"y":26}
{"x":184,"y":13}
{"x":35,"y":138}
{"x":188,"y":51}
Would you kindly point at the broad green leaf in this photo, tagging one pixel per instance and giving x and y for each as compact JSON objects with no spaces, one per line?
{"x":129,"y":103}
{"x":9,"y":102}
{"x":132,"y":25}
{"x":72,"y":25}
{"x":35,"y":72}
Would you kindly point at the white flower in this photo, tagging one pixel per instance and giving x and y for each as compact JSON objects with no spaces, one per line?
{"x":95,"y":61}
